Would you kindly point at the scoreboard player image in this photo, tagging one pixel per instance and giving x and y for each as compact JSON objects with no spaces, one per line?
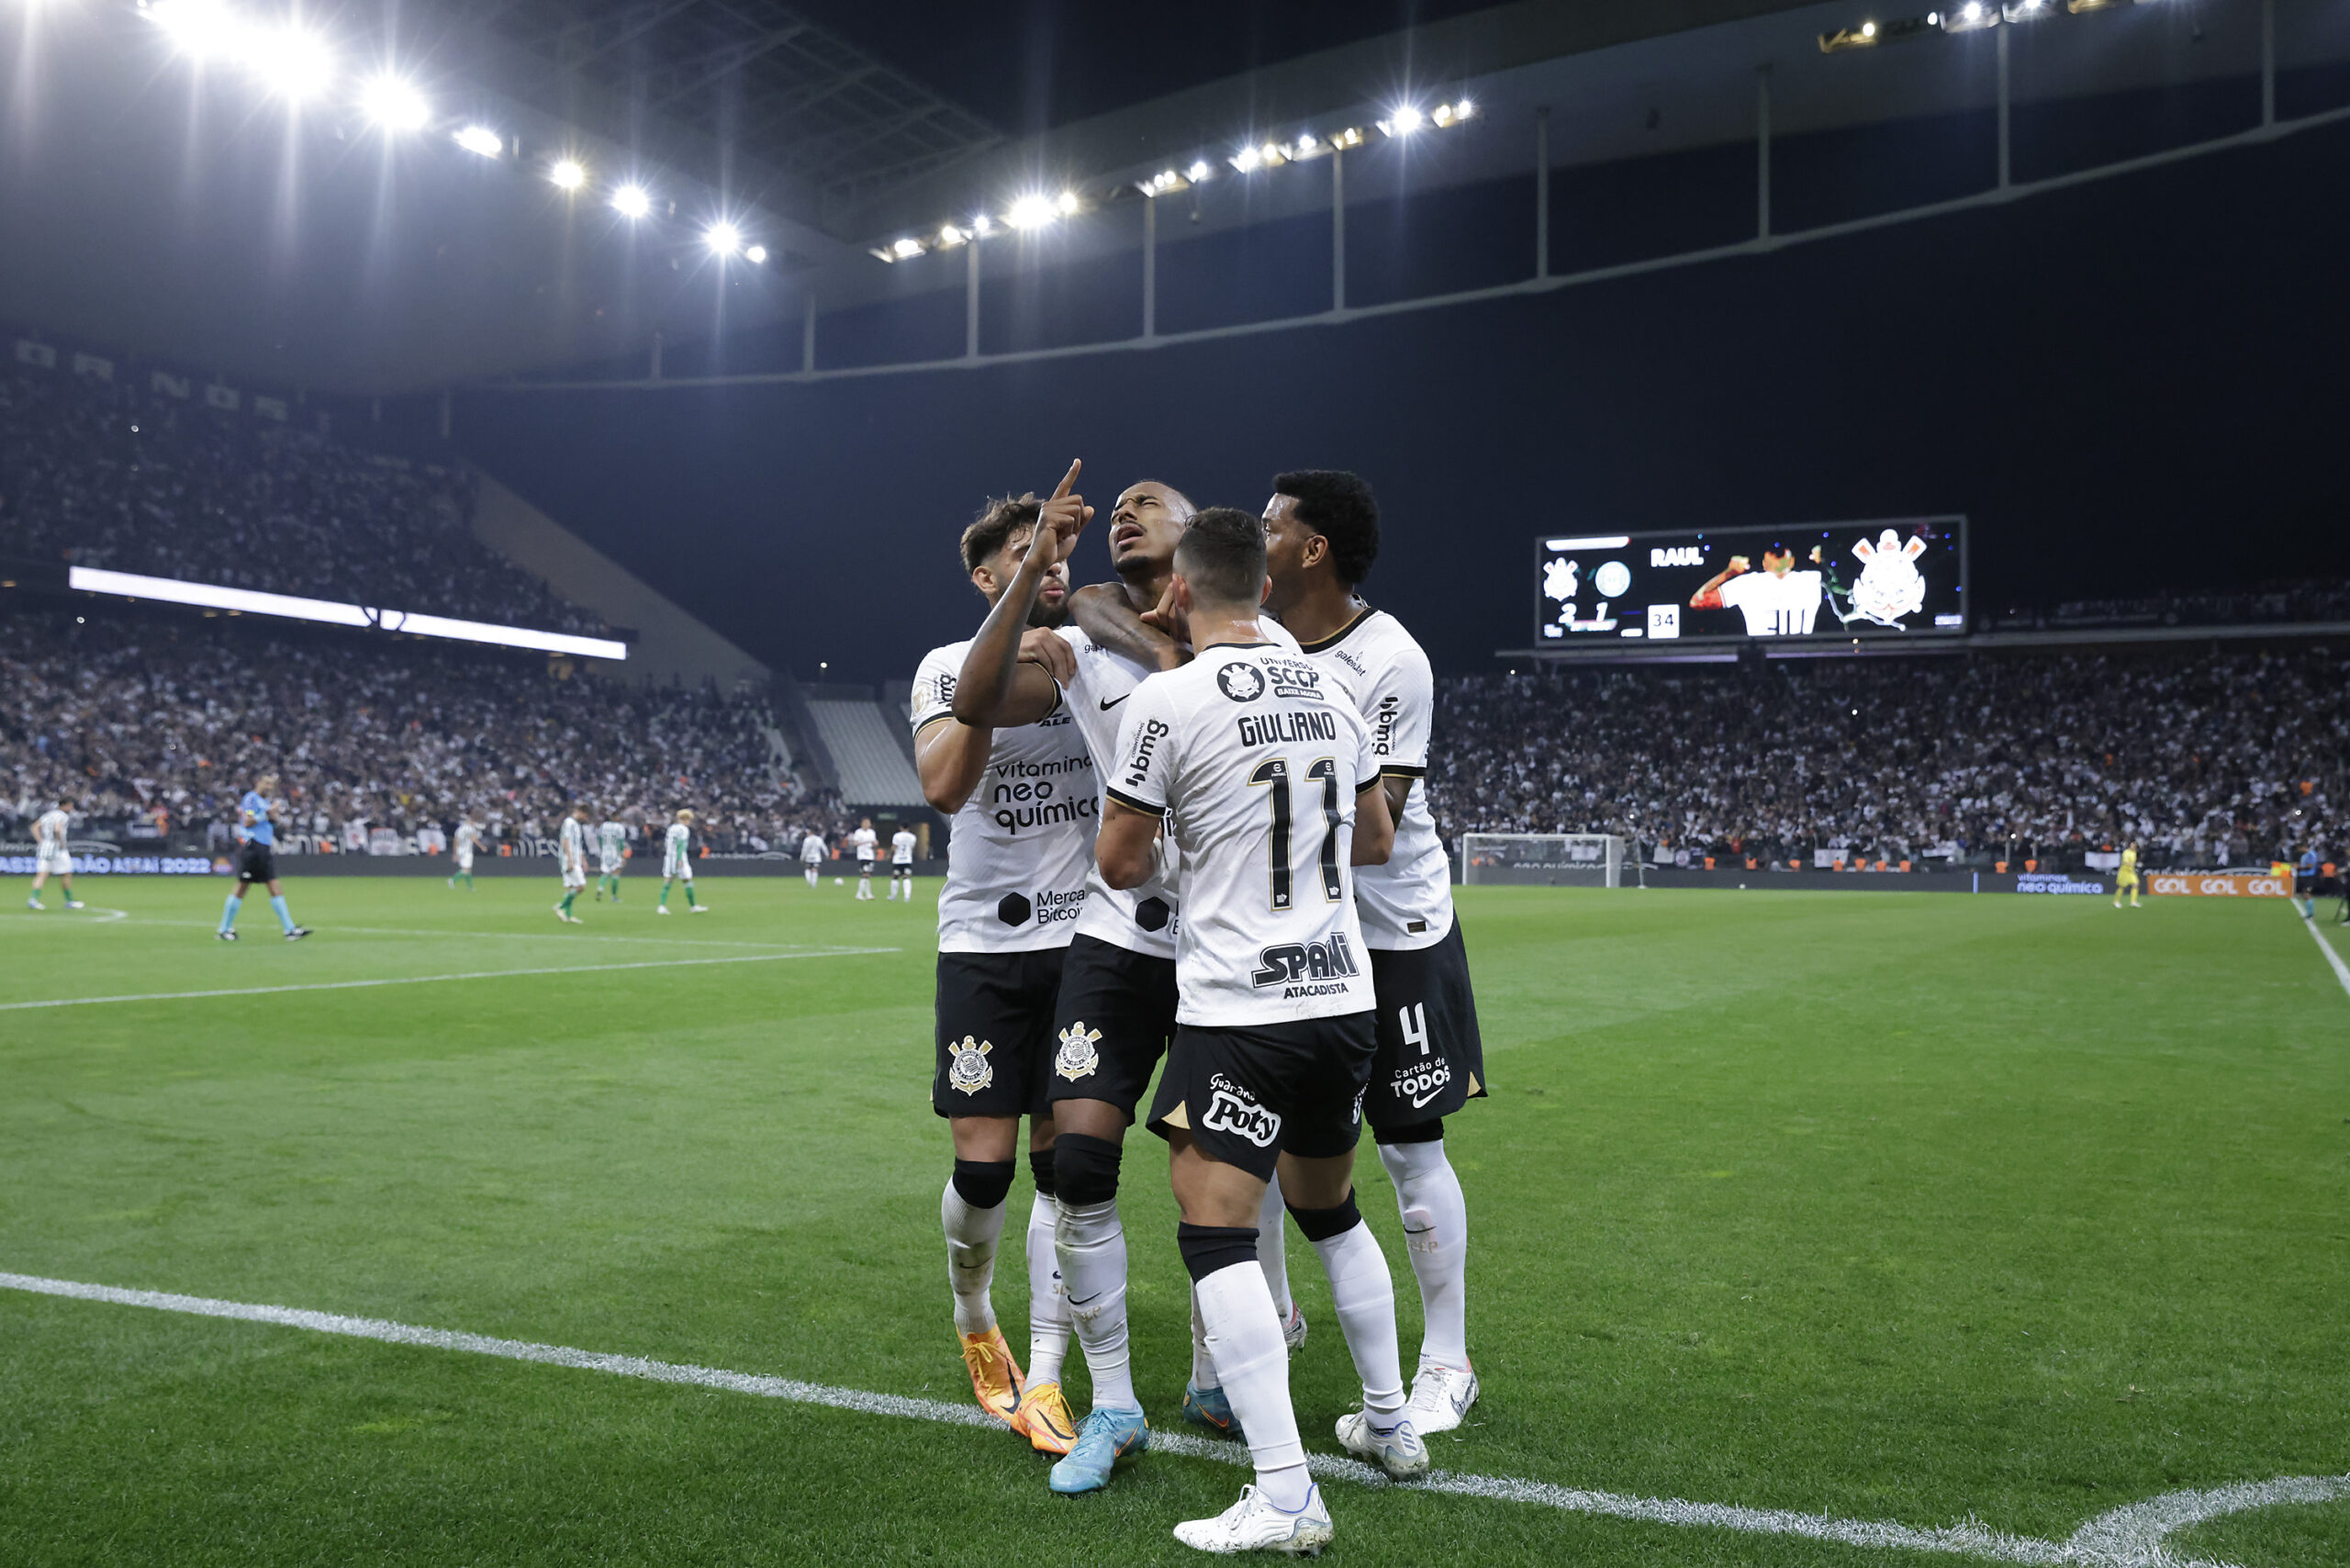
{"x":1900,"y":576}
{"x":1777,"y":602}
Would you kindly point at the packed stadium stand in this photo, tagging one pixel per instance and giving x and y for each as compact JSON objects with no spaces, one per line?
{"x":106,"y":474}
{"x":2210,"y":758}
{"x":157,"y":725}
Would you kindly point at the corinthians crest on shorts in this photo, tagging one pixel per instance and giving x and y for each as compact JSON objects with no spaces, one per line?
{"x":971,"y":1071}
{"x":1077,"y":1057}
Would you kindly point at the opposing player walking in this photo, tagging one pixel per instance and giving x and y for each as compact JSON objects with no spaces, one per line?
{"x":811,"y":856}
{"x":1273,"y":789}
{"x":257,"y":862}
{"x":469,"y":843}
{"x":51,"y":857}
{"x":1023,"y":801}
{"x":571,"y":848}
{"x":901,"y":864}
{"x":677,"y":862}
{"x":1321,"y":537}
{"x":611,"y":854}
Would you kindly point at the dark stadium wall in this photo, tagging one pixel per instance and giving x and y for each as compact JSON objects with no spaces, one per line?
{"x":2132,"y":383}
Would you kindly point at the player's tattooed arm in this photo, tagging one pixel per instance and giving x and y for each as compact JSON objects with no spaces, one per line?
{"x":1126,"y":844}
{"x":1101,"y":611}
{"x":1005,"y":679}
{"x":1710,"y":595}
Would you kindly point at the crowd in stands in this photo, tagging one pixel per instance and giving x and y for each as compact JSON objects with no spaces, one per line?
{"x":163,"y":723}
{"x":2207,"y":759}
{"x":117,"y":476}
{"x":2324,"y":599}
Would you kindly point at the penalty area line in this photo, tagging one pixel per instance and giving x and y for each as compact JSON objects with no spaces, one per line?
{"x":1969,"y":1540}
{"x":436,"y":980}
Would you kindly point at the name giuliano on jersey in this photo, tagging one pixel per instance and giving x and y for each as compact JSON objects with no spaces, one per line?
{"x":1775,"y":606}
{"x":1023,"y":844}
{"x":1147,"y":919}
{"x":1258,"y":763}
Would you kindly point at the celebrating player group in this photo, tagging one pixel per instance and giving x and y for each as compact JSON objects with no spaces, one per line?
{"x":1189,"y":825}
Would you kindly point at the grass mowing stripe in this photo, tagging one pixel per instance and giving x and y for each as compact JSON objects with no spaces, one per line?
{"x":1969,"y":1540}
{"x":434,"y":980}
{"x":2341,"y":969}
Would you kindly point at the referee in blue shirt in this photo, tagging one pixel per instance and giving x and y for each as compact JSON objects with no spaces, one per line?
{"x":257,"y":861}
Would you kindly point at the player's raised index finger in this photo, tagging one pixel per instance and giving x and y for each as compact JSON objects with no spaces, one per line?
{"x":1069,"y":479}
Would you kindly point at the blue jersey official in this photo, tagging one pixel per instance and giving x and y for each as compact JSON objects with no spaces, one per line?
{"x":257,"y":861}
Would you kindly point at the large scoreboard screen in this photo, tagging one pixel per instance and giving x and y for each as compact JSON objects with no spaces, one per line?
{"x":1833,"y":580}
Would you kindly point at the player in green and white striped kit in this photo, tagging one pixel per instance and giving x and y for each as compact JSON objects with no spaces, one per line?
{"x":677,"y":861}
{"x":572,"y":846}
{"x":611,"y":850}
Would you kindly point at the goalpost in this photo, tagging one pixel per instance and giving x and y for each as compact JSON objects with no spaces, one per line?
{"x":1543,"y":859}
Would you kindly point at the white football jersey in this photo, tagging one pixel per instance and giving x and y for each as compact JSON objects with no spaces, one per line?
{"x":864,"y":841}
{"x":675,"y":850}
{"x":1124,"y":917}
{"x":611,"y":842}
{"x":469,"y":839}
{"x":1258,"y":763}
{"x":901,"y":848}
{"x":1775,"y":606}
{"x":574,"y":846}
{"x":1024,"y":842}
{"x":1407,"y":903}
{"x":51,"y":831}
{"x":812,"y":849}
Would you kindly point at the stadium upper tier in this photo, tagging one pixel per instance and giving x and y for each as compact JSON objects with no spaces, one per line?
{"x":111,"y":476}
{"x":135,"y":714}
{"x":2207,"y":757}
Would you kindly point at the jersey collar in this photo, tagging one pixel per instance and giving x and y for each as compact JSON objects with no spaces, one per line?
{"x":1340,"y":636}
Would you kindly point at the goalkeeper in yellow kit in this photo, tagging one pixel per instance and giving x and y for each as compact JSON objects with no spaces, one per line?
{"x":2126,"y":877}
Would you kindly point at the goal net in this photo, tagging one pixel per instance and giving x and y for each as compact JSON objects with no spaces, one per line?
{"x":1543,"y":859}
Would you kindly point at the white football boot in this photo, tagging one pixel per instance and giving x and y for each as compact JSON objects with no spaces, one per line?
{"x":1440,"y":1398}
{"x":1397,"y":1450}
{"x":1253,"y":1524}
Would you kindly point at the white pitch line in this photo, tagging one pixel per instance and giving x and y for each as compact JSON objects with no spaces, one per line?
{"x":435,"y":979}
{"x":2341,"y":969}
{"x":2131,"y":1537}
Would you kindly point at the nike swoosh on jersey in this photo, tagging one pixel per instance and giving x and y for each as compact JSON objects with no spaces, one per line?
{"x":1114,"y":703}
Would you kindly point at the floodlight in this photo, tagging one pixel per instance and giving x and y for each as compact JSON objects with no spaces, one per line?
{"x":1066,"y":202}
{"x":196,"y":28}
{"x":292,"y":63}
{"x":983,"y":225}
{"x":950,"y":236}
{"x":756,"y":255}
{"x":1248,"y":159}
{"x":1970,"y":18}
{"x":482,"y":139}
{"x":568,"y":174}
{"x":394,"y":105}
{"x":907,"y":248}
{"x":1030,"y":211}
{"x":632,"y":201}
{"x":1350,"y":136}
{"x":1403,"y":121}
{"x":1868,"y":29}
{"x":723,"y":238}
{"x":1199,"y":170}
{"x":1306,"y":146}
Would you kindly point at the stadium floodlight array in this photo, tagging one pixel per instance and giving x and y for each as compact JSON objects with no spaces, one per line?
{"x":1967,"y":16}
{"x":1033,"y":209}
{"x":289,"y":607}
{"x":300,"y":65}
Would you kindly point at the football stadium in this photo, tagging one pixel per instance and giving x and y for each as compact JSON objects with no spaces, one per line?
{"x":1604,"y":751}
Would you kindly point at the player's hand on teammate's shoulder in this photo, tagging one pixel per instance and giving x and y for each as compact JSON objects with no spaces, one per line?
{"x":1051,"y":651}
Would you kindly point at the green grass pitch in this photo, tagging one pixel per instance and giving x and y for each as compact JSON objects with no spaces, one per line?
{"x":1905,"y":1207}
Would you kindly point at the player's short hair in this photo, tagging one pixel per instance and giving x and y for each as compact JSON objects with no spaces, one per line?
{"x":1222,"y":556}
{"x":685,"y":813}
{"x":1340,"y":508}
{"x":996,"y":525}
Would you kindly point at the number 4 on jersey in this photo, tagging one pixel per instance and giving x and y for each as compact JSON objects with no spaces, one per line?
{"x":1413,"y":1016}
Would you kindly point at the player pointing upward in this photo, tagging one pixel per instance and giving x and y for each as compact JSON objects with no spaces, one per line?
{"x":1321,"y":537}
{"x":1273,"y":789}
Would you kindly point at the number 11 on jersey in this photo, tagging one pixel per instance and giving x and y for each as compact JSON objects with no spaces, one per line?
{"x":1275,"y":771}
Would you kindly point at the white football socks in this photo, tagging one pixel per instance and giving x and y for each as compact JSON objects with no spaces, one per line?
{"x":1272,"y":1254}
{"x":1047,"y":1302}
{"x":1364,"y":1294}
{"x":1203,"y":1372}
{"x":971,"y":1236}
{"x":1436,"y":1235}
{"x":1244,"y":1334}
{"x":1091,"y":1246}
